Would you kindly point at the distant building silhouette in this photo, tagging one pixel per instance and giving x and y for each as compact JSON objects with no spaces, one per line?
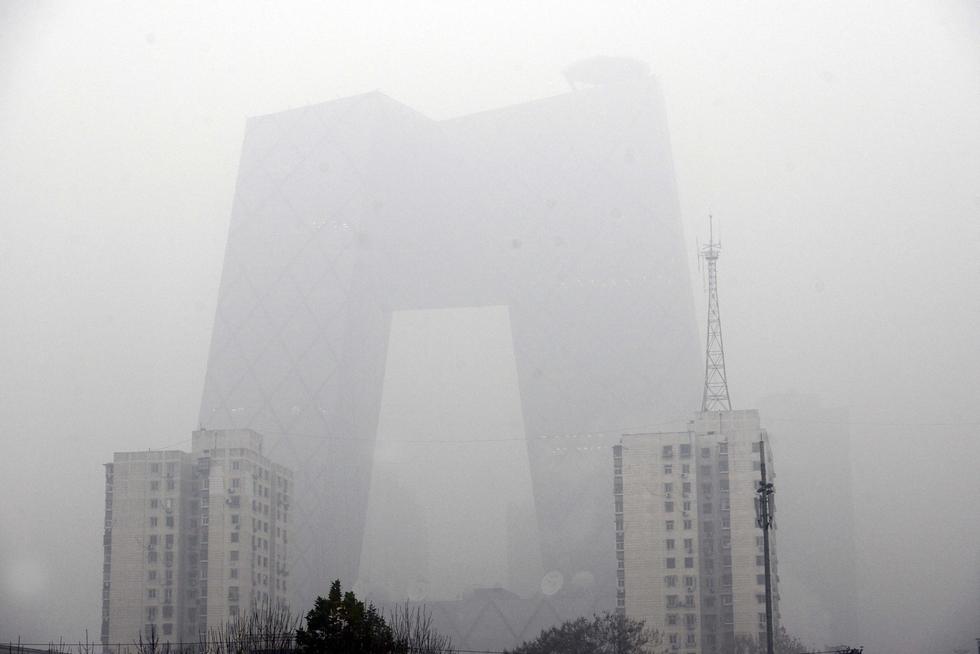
{"x":563,"y":212}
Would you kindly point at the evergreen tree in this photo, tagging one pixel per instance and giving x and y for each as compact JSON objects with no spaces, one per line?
{"x":342,"y":624}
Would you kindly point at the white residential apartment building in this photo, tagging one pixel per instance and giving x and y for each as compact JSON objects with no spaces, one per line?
{"x":192,"y":539}
{"x":689,"y":549}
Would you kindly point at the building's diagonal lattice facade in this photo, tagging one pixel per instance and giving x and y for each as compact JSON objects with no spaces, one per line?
{"x":563,"y":210}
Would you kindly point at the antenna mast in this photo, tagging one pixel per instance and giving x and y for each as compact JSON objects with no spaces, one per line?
{"x":715,"y":396}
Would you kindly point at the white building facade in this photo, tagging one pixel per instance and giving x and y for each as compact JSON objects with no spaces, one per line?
{"x":689,"y":549}
{"x":193,"y":539}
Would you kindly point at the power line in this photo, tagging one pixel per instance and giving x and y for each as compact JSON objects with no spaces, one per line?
{"x":636,"y":430}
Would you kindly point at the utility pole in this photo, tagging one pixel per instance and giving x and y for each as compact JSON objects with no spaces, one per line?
{"x":764,"y":492}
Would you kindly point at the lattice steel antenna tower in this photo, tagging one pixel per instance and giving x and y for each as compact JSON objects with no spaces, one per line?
{"x":715,"y":396}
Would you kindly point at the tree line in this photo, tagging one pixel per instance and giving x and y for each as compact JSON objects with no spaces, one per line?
{"x":340,"y":623}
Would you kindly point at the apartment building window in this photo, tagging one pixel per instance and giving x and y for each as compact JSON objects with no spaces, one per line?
{"x":168,"y":628}
{"x":760,"y":560}
{"x":687,"y":505}
{"x":686,"y":487}
{"x":668,"y":507}
{"x":670,"y":581}
{"x":757,"y":465}
{"x":233,"y":555}
{"x":670,"y":544}
{"x":723,"y":485}
{"x":722,"y":448}
{"x":760,"y":579}
{"x":685,"y":451}
{"x":151,"y":556}
{"x":689,"y":545}
{"x":690,"y":581}
{"x":705,"y":452}
{"x":706,"y":508}
{"x":151,"y":593}
{"x":233,"y":573}
{"x":671,"y":563}
{"x":689,"y":562}
{"x":153,"y":521}
{"x":672,"y":619}
{"x":155,"y":468}
{"x":170,"y":521}
{"x":688,"y":524}
{"x":154,"y":485}
{"x":760,"y":598}
{"x":151,"y":575}
{"x":168,"y":612}
{"x":674,"y":639}
{"x":669,"y":525}
{"x":234,"y":536}
{"x":169,"y":541}
{"x":686,"y":469}
{"x":755,"y":446}
{"x":672,"y":601}
{"x":690,"y":641}
{"x":669,"y":487}
{"x":722,"y":465}
{"x":154,"y":503}
{"x":236,"y":465}
{"x":668,"y":469}
{"x":668,"y":451}
{"x":151,"y":614}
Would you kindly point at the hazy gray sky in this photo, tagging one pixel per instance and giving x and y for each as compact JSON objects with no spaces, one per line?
{"x":837,"y":144}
